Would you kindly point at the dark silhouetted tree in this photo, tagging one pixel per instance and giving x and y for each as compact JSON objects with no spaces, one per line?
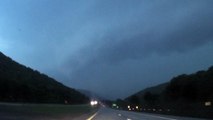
{"x":134,"y":99}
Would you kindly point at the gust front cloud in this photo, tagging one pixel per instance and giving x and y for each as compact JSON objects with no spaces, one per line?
{"x":141,"y":39}
{"x":99,"y":44}
{"x":186,"y":34}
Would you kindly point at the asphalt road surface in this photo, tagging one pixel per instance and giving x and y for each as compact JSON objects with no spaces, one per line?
{"x":111,"y":114}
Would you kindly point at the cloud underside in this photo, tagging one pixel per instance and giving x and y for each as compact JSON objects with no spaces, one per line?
{"x":98,"y":44}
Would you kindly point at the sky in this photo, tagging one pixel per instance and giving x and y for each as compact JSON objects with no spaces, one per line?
{"x":111,"y":47}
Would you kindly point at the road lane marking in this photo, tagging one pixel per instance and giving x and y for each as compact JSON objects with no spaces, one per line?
{"x":160,"y":117}
{"x":119,"y":114}
{"x":90,"y":118}
{"x":128,"y":119}
{"x":166,"y":118}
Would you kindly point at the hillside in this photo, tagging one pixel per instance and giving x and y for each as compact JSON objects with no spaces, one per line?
{"x":154,"y":90}
{"x":190,"y":95}
{"x":22,"y":84}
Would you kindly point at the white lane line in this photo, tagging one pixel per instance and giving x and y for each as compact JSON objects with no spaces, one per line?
{"x":119,"y":115}
{"x":160,"y":117}
{"x":128,"y":119}
{"x":90,"y":118}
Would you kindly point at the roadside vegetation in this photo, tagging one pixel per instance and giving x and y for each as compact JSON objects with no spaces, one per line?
{"x":43,"y":111}
{"x":185,"y":95}
{"x":22,"y":84}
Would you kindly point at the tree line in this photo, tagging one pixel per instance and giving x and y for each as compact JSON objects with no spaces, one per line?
{"x":182,"y":95}
{"x":19,"y":83}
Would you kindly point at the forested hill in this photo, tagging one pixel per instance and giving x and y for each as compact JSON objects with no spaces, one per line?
{"x":197,"y":87}
{"x":22,"y":84}
{"x":184,"y":95}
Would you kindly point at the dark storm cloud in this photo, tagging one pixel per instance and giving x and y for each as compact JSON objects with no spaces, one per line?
{"x":195,"y":31}
{"x":134,"y":42}
{"x":97,"y":45}
{"x":175,"y":34}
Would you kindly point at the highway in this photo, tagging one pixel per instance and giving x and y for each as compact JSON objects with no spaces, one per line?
{"x":22,"y":112}
{"x":110,"y":114}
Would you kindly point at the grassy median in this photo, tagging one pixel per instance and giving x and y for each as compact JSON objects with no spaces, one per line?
{"x":43,"y":110}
